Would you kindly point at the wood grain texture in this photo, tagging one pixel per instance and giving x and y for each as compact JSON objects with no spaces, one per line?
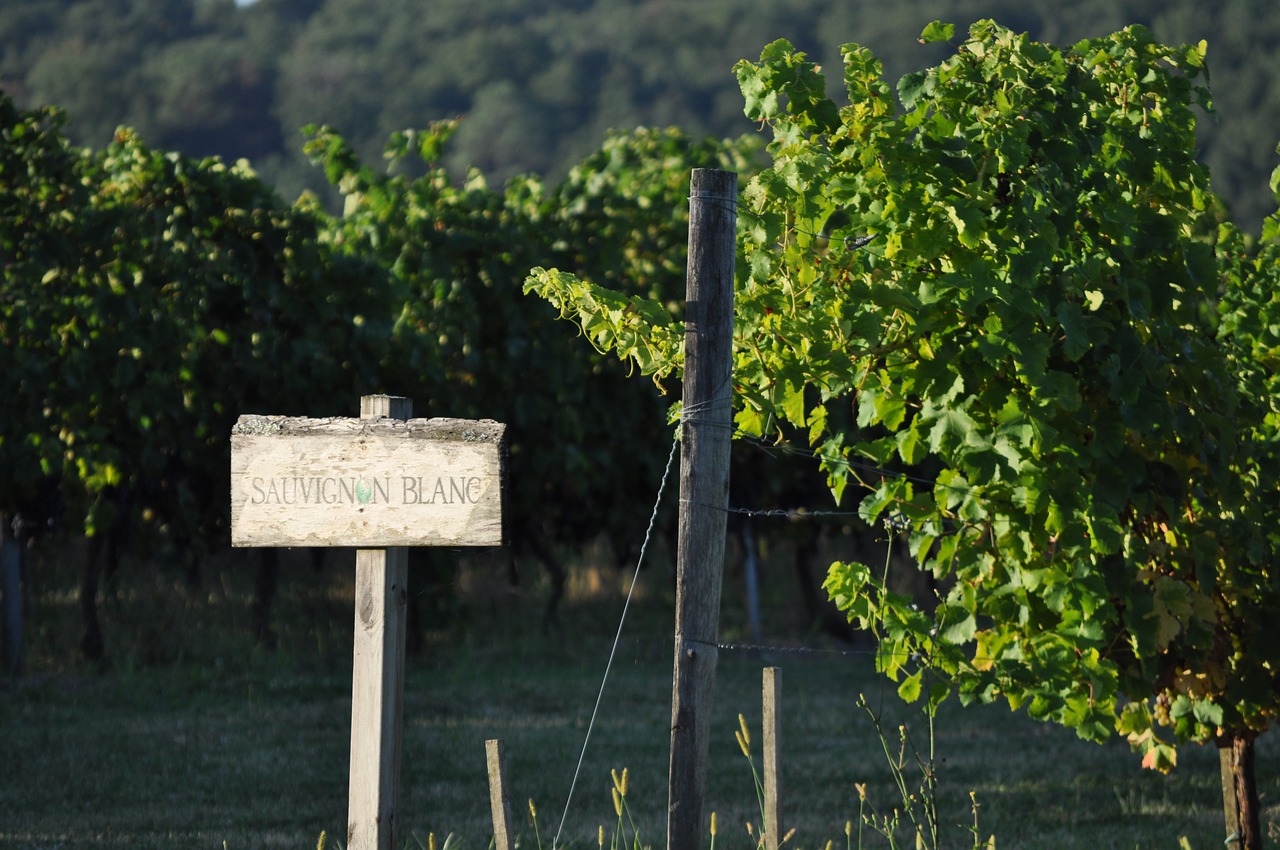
{"x":499,"y":798}
{"x":771,"y":694}
{"x":367,"y":482}
{"x":704,"y":494}
{"x":377,"y":677}
{"x":377,"y":698}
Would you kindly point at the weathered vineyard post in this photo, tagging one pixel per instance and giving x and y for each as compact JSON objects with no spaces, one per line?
{"x":704,"y":493}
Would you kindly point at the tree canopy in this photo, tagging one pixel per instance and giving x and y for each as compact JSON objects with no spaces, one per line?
{"x":150,"y":298}
{"x":1005,"y":315}
{"x":538,"y":85}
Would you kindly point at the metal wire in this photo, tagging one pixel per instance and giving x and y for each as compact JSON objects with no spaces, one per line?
{"x":617,"y":637}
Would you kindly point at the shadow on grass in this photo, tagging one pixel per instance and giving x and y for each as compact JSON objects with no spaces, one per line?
{"x":220,"y":740}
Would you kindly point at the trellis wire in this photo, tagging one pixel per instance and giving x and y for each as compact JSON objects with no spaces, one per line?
{"x":894,"y":523}
{"x":852,"y":243}
{"x":786,"y":448}
{"x":616,"y":638}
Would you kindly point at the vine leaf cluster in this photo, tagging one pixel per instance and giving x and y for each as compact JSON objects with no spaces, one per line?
{"x":1054,"y":327}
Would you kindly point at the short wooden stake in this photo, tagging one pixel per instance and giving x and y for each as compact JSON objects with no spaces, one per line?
{"x":377,"y":678}
{"x":499,"y":799}
{"x":772,"y":691}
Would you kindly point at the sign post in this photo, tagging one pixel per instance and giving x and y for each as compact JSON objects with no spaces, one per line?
{"x":379,"y":483}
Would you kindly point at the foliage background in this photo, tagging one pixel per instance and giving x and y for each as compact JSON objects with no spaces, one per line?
{"x":1039,"y":344}
{"x":171,"y":64}
{"x":540,"y":82}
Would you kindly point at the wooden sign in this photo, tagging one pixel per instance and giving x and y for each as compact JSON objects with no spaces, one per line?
{"x":366,"y":482}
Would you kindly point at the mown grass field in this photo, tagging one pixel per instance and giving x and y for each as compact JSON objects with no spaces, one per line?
{"x":205,"y":738}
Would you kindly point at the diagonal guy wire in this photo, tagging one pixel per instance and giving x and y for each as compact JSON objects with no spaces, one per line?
{"x":616,"y":638}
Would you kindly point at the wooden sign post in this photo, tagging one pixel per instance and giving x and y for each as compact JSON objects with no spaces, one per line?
{"x":379,"y":483}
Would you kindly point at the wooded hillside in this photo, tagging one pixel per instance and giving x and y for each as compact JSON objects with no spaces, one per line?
{"x":540,"y":82}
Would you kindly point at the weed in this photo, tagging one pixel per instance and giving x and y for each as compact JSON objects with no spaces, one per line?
{"x":450,"y":842}
{"x":744,"y":744}
{"x":533,"y":819}
{"x":625,"y":819}
{"x":917,"y":809}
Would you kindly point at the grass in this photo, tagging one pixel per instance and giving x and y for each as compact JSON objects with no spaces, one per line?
{"x":220,"y":741}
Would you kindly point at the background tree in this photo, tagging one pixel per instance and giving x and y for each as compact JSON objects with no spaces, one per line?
{"x":555,"y":76}
{"x":1250,"y":335}
{"x":466,"y":343}
{"x":148,"y":300}
{"x":1020,"y":370}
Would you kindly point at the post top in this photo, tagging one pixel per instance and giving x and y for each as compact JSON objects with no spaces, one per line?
{"x":392,"y":406}
{"x":439,"y":428}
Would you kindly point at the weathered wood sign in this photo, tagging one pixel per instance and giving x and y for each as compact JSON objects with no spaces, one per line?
{"x":366,"y":482}
{"x":377,"y":484}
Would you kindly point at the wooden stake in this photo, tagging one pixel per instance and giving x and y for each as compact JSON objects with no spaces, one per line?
{"x":499,"y":799}
{"x":704,"y":494}
{"x":772,"y":692}
{"x":1239,"y":793}
{"x":377,"y":679}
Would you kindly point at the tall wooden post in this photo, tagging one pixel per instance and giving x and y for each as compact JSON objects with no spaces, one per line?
{"x":704,"y":494}
{"x":377,"y":680}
